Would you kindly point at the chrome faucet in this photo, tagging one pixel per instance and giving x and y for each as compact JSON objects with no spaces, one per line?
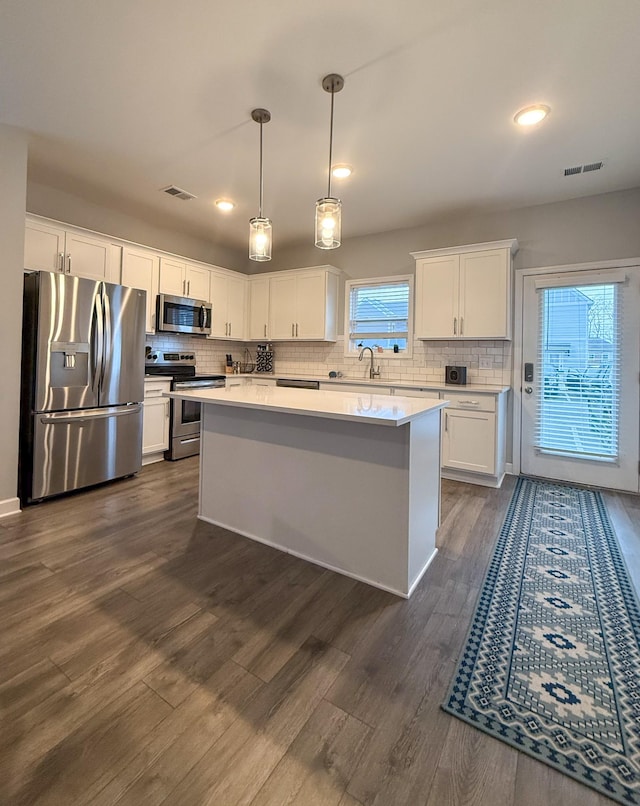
{"x":373,"y":373}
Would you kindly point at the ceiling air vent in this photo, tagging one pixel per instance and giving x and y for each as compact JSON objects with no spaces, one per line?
{"x":583,"y":169}
{"x":172,"y":190}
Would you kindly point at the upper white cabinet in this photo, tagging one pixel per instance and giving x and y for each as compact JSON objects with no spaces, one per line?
{"x":183,"y":279}
{"x":50,"y":247}
{"x":464,"y":292}
{"x":140,"y":269}
{"x":303,"y":304}
{"x":228,"y":296}
{"x":258,"y":324}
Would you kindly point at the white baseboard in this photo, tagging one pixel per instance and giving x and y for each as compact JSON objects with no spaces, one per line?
{"x":508,"y":469}
{"x":10,"y":506}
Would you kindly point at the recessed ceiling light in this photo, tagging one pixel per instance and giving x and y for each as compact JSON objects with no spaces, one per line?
{"x":532,"y":115}
{"x":224,"y":204}
{"x":342,"y":171}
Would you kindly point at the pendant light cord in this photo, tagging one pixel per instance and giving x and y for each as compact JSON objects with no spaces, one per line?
{"x":261,"y":178}
{"x":330,"y":144}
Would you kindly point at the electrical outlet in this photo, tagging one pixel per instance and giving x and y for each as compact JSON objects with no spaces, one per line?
{"x":485,"y":362}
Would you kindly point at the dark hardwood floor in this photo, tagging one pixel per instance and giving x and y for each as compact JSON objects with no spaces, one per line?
{"x":149,"y":658}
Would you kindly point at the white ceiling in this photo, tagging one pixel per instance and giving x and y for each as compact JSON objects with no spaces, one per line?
{"x":123,"y":97}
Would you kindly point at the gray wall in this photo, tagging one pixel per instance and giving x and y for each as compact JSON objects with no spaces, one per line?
{"x":576,"y":231}
{"x":13,"y":170}
{"x":118,"y":222}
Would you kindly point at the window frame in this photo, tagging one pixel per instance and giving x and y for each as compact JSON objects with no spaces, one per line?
{"x":395,"y":279}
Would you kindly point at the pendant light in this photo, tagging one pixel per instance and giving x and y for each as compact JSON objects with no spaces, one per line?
{"x":260,"y":227}
{"x":329,"y":209}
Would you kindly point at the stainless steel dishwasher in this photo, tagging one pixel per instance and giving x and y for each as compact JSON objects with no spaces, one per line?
{"x":297,"y":383}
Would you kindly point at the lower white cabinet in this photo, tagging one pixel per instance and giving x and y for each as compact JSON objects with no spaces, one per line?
{"x":155,"y":420}
{"x":468,"y":441}
{"x":473,"y":437}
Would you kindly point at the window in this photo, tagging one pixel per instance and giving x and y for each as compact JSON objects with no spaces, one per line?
{"x":379,"y":315}
{"x":578,"y":408}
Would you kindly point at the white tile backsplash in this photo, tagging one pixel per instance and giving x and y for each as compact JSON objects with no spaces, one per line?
{"x":319,"y":358}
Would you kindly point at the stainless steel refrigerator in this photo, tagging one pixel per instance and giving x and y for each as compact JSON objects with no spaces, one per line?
{"x":82,"y":383}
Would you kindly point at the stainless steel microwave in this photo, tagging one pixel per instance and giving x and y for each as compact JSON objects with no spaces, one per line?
{"x":183,"y":315}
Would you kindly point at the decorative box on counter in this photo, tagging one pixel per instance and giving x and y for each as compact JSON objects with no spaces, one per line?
{"x":264,"y":358}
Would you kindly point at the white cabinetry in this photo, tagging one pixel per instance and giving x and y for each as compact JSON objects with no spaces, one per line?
{"x":473,"y":437}
{"x":473,"y":429}
{"x":155,"y":420}
{"x":464,"y":292}
{"x":228,"y":296}
{"x":367,"y":388}
{"x":52,"y":247}
{"x":257,"y":380}
{"x":258,"y":324}
{"x":182,"y":279}
{"x":303,"y":305}
{"x":140,"y":269}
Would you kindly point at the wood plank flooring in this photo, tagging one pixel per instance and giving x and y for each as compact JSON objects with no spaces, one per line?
{"x":149,"y":658}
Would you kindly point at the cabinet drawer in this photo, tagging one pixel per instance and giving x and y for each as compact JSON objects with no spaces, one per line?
{"x":470,"y":401}
{"x":156,"y":388}
{"x":429,"y":394}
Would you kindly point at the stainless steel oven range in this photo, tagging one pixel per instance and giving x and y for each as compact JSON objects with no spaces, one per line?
{"x":184,"y":422}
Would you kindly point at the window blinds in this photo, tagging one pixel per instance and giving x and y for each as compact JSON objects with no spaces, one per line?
{"x":579,"y":370}
{"x":379,"y":314}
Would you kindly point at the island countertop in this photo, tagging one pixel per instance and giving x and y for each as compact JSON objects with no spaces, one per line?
{"x":360,"y":407}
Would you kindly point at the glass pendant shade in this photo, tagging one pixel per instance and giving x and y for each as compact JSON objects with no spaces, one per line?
{"x":260,"y":239}
{"x":328,"y":223}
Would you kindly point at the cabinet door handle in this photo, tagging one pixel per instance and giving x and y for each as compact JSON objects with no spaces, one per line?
{"x":265,"y":331}
{"x":61,"y":261}
{"x":455,"y":325}
{"x":188,"y":287}
{"x":68,"y":262}
{"x":461,"y":326}
{"x":292,"y":330}
{"x":229,"y":328}
{"x":446,"y":421}
{"x":468,"y":402}
{"x":296,"y":329}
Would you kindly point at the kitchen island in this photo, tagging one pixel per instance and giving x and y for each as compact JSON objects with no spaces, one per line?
{"x":349,"y":481}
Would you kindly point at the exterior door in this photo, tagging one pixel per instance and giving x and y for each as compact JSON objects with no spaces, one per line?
{"x":580,"y":400}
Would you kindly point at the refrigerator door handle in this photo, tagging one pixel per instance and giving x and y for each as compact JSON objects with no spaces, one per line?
{"x":88,"y":416}
{"x":97,"y":343}
{"x":106,"y":357}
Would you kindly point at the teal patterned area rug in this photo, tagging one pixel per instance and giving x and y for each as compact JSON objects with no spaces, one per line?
{"x":551,"y":664}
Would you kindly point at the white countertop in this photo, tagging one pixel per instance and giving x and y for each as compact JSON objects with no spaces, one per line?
{"x":476,"y":388}
{"x":361,"y":407}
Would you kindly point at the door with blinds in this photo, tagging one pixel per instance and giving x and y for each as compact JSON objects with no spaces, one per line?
{"x":580,"y":381}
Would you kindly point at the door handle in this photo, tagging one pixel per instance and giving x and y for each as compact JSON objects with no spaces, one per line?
{"x":265,"y":331}
{"x":68,"y":262}
{"x":229,"y":328}
{"x":61,"y":262}
{"x":461,"y":326}
{"x":528,"y":389}
{"x":296,"y":329}
{"x":188,"y":287}
{"x":455,"y":325}
{"x":292,"y":330}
